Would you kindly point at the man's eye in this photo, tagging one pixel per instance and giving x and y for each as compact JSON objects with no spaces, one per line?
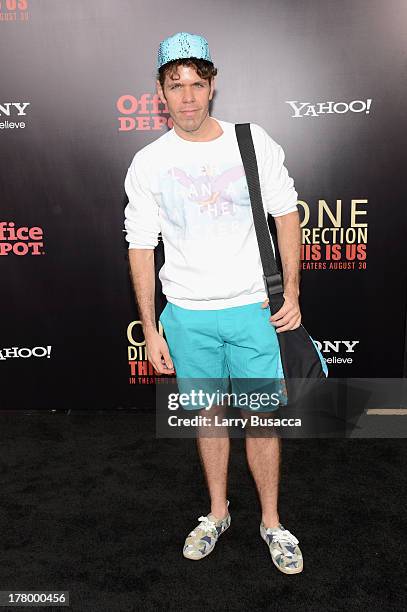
{"x":200,"y":85}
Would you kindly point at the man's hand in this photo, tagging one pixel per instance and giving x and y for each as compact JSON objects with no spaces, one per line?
{"x":289,"y":315}
{"x":158,"y":353}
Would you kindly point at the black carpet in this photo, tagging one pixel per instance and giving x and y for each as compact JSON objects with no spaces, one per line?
{"x":94,"y":504}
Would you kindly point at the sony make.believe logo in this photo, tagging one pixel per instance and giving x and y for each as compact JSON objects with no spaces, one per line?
{"x":336,"y":346}
{"x":316,"y":109}
{"x":14,"y":110}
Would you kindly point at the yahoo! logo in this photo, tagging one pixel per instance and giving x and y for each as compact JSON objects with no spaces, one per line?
{"x":20,"y":240}
{"x":14,"y":352}
{"x":315,"y":109}
{"x":144,"y":113}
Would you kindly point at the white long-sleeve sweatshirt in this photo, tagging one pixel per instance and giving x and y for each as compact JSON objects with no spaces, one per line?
{"x":196,"y":195}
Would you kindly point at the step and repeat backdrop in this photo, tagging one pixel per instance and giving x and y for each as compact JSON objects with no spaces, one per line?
{"x":78,"y":99}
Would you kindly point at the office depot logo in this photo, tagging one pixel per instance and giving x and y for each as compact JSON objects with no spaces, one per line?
{"x":14,"y":10}
{"x":146,"y":113}
{"x":20,"y":240}
{"x":316,"y":109}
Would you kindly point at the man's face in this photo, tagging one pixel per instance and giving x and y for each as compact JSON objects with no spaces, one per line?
{"x":187,"y":97}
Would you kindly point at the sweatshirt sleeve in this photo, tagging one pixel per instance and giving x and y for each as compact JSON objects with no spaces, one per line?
{"x":277,"y":186}
{"x":141,"y":222}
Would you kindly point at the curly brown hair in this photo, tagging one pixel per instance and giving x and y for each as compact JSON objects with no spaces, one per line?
{"x":205,"y":69}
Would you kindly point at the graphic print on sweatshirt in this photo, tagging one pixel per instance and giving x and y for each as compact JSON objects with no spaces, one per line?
{"x":205,"y":200}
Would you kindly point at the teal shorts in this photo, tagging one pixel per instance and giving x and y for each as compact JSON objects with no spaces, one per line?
{"x":231,"y":350}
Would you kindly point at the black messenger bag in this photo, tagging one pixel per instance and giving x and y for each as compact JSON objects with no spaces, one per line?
{"x":300,"y":358}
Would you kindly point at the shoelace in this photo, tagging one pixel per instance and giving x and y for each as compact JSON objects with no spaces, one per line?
{"x":283,"y":536}
{"x":205,"y":524}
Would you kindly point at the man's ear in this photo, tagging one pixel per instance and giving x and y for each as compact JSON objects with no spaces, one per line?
{"x":160,"y":92}
{"x":212,"y":88}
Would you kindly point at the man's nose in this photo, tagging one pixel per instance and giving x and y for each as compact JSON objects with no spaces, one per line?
{"x":188,"y":94}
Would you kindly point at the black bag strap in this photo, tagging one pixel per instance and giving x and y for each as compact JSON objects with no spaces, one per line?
{"x":272,"y":278}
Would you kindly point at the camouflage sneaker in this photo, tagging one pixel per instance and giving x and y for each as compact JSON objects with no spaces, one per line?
{"x":285,"y":553}
{"x":201,"y":541}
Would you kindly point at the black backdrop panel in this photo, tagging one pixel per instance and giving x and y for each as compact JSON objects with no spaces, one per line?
{"x":77,"y":101}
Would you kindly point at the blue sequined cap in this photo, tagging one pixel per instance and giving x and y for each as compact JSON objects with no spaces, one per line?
{"x":182,"y":45}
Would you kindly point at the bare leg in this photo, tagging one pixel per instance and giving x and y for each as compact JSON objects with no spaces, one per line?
{"x":263,"y":456}
{"x":214,"y":454}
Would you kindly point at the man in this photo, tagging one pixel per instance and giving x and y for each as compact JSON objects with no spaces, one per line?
{"x":190,"y":185}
